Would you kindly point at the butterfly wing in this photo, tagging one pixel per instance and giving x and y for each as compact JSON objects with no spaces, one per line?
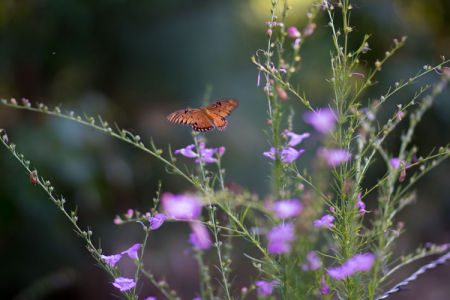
{"x":219,"y":110}
{"x":192,"y":117}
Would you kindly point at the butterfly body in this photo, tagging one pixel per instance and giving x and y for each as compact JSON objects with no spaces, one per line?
{"x":205,"y":118}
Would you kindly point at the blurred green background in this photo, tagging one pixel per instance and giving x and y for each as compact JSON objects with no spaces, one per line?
{"x":134,"y":62}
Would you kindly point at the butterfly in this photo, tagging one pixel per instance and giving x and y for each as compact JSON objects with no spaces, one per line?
{"x":205,"y":118}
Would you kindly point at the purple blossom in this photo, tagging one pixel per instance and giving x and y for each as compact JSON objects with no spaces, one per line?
{"x":124,"y":284}
{"x":290,"y":154}
{"x":111,"y":260}
{"x":334,"y":157}
{"x":199,"y":236}
{"x":296,"y":138}
{"x":285,"y":209}
{"x":361,"y":205}
{"x":151,"y":298}
{"x":187,"y":151}
{"x":26,"y":102}
{"x":206,"y":155}
{"x":396,"y":163}
{"x":129,"y":214}
{"x":322,"y":120}
{"x":309,"y":29}
{"x":265,"y":287}
{"x":312,"y":262}
{"x":182,"y":207}
{"x":280,"y":238}
{"x":359,"y":262}
{"x":358,"y":74}
{"x":325,"y":221}
{"x":293,"y":32}
{"x":132,"y":252}
{"x":277,"y":247}
{"x":157,"y":221}
{"x":324,"y":289}
{"x":221,"y":150}
{"x":270,"y":154}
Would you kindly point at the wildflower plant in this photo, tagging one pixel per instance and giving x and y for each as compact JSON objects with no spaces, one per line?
{"x":312,"y":236}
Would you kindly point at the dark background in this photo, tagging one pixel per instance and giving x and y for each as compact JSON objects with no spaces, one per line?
{"x":134,"y":62}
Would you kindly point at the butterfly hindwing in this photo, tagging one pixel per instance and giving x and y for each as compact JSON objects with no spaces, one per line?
{"x":192,"y":117}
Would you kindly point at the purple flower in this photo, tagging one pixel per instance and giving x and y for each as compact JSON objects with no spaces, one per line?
{"x":361,"y":205}
{"x":277,"y":247}
{"x":290,"y":154}
{"x":111,"y":260}
{"x":280,"y":238}
{"x":296,"y":138}
{"x":221,"y":150}
{"x":359,"y":262}
{"x":312,"y":262}
{"x":157,"y":221}
{"x":358,"y":74}
{"x":26,"y":102}
{"x":206,"y":154}
{"x":270,"y":154}
{"x":325,"y":221}
{"x":309,"y":29}
{"x":322,"y":120}
{"x":199,"y":236}
{"x":187,"y":151}
{"x":151,"y":298}
{"x":293,"y":32}
{"x":334,"y":157}
{"x":324,"y":289}
{"x":124,"y":284}
{"x":285,"y":209}
{"x":396,"y":163}
{"x":182,"y":207}
{"x":265,"y":287}
{"x":129,"y":213}
{"x":132,"y":251}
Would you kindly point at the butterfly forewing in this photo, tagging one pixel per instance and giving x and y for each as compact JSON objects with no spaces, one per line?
{"x":205,"y":119}
{"x":219,"y":110}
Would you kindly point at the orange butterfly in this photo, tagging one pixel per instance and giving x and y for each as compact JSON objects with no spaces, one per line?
{"x":205,"y":118}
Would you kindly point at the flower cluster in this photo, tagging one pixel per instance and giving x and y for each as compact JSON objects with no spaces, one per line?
{"x":359,"y":262}
{"x":285,"y":209}
{"x":288,"y":154}
{"x":188,"y":208}
{"x":325,"y":221}
{"x":132,"y":252}
{"x":361,"y":205}
{"x":280,"y":238}
{"x":204,"y":154}
{"x":265,"y":287}
{"x":312,"y":262}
